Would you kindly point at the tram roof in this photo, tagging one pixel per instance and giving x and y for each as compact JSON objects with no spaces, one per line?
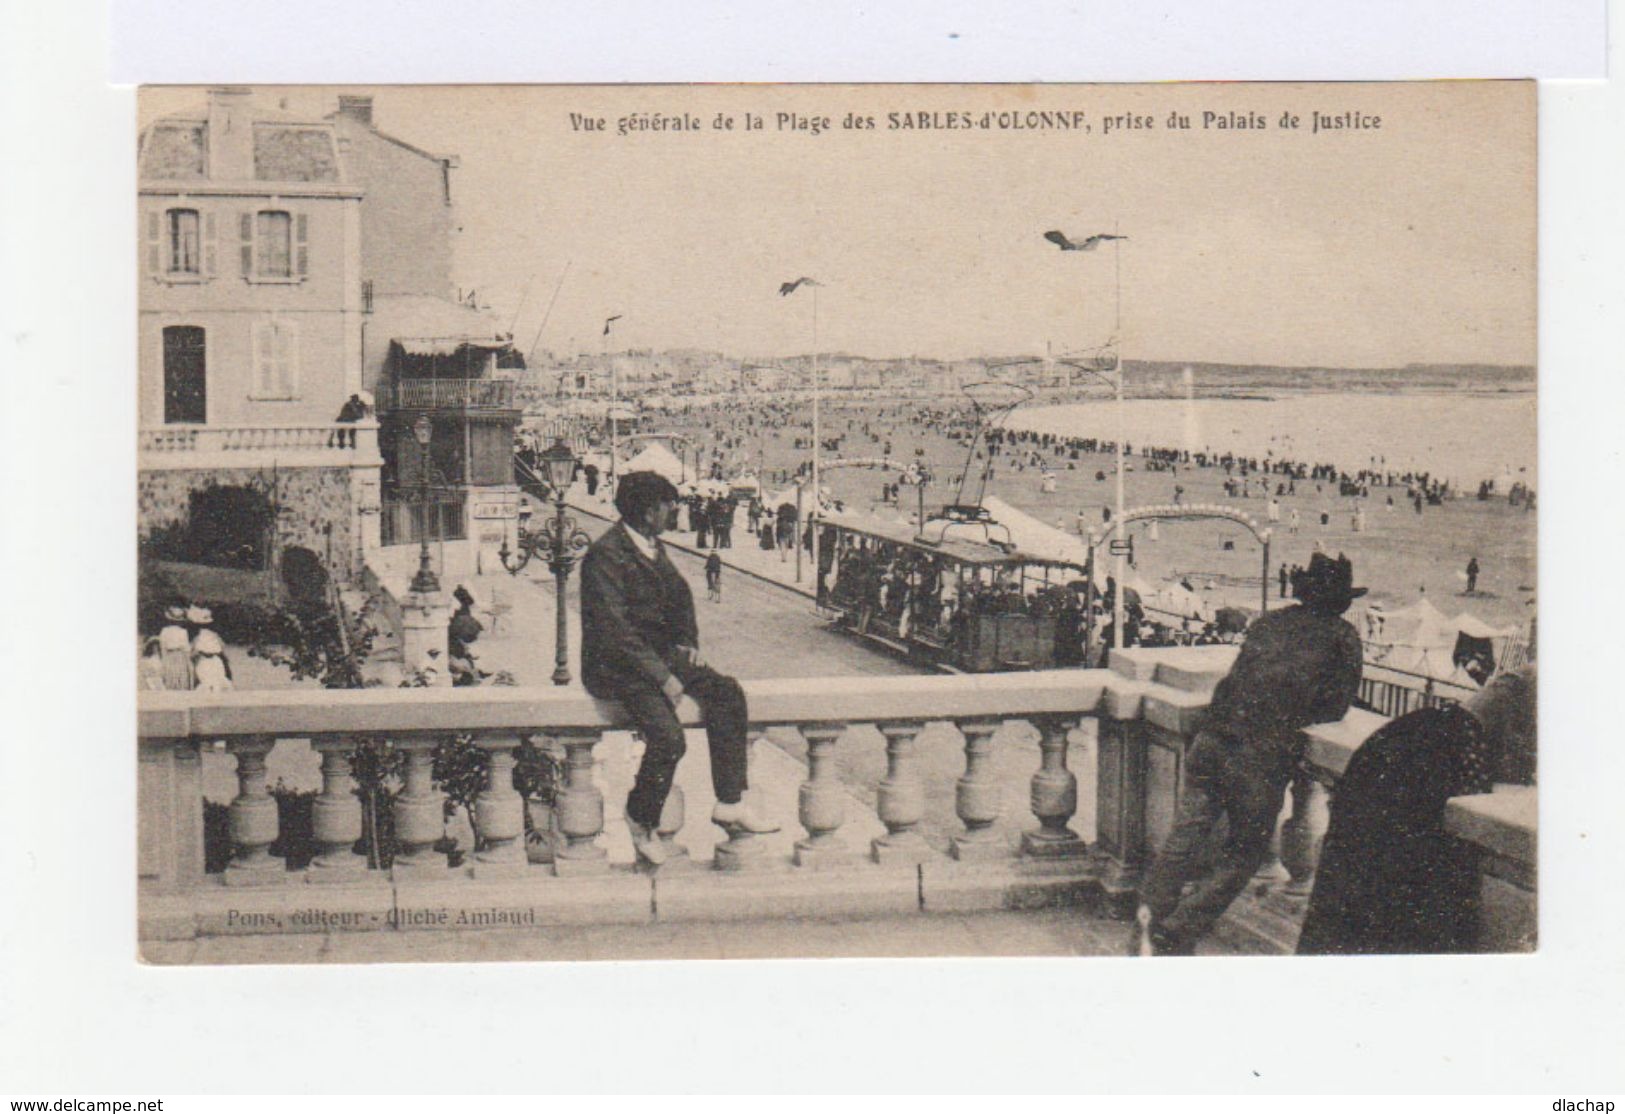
{"x":958,"y":549}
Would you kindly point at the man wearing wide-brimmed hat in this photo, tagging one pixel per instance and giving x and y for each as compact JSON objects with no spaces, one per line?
{"x":640,"y":646}
{"x":1298,"y":666}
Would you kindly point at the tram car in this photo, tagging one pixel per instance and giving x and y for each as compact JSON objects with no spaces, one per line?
{"x":954,"y":595}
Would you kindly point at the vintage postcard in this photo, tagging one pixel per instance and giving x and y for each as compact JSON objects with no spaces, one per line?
{"x":750,"y":521}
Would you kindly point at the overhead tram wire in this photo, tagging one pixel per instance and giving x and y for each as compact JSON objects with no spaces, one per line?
{"x":548,"y":314}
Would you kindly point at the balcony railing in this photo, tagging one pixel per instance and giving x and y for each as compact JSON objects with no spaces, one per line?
{"x":448,"y":394}
{"x":1144,"y":711}
{"x":336,"y":443}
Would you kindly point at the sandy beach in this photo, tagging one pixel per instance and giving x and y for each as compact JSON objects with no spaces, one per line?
{"x":1399,"y":553}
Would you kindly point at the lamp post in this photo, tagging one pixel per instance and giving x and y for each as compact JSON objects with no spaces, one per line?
{"x":561,"y":540}
{"x":920,"y":480}
{"x":1089,"y":244}
{"x":425,"y":583}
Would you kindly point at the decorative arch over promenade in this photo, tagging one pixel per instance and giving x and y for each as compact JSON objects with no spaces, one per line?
{"x":1174,"y":512}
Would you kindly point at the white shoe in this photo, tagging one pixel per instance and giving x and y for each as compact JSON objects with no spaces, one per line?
{"x":739,"y":817}
{"x":646,"y":843}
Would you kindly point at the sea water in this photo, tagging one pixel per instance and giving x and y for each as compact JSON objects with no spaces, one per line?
{"x":1460,"y":436}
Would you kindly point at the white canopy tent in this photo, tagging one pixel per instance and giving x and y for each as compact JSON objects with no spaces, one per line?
{"x":1030,"y":535}
{"x":656,"y":458}
{"x":1422,"y":639}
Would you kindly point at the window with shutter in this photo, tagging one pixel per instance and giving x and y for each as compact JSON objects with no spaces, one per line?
{"x":301,"y":246}
{"x":185,"y":242}
{"x":276,"y":360}
{"x":273,"y":244}
{"x":288,"y":337}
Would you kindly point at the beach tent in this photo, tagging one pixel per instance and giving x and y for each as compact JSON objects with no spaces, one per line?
{"x":1179,"y":600}
{"x":1474,"y":627}
{"x":1420,"y":625}
{"x":787,"y":498}
{"x":656,"y":458}
{"x":777,"y":499}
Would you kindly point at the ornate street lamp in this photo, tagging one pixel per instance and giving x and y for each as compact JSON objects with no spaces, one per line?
{"x":425,"y":583}
{"x":561,"y":541}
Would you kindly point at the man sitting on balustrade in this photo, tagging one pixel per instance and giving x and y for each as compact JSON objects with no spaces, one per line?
{"x":1298,"y":666}
{"x":640,"y":647}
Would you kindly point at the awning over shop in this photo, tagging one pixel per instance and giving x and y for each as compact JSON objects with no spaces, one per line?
{"x":427,"y":326}
{"x":446,"y":346}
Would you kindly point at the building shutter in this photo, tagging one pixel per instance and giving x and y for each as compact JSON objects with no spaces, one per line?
{"x":155,"y":242}
{"x":208,"y":244}
{"x":301,"y":252}
{"x":287,"y":339}
{"x":245,"y":234}
{"x":261,"y":387}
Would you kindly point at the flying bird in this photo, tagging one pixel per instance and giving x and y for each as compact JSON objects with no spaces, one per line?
{"x":788,"y":288}
{"x":608,"y":321}
{"x":1060,"y":240}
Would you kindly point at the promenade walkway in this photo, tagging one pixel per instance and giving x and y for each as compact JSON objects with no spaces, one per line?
{"x":775,"y":567}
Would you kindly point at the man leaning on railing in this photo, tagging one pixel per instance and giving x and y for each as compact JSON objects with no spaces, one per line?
{"x":1298,"y":666}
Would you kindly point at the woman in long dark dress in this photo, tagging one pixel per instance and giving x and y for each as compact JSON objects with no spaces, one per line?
{"x":1391,"y":880}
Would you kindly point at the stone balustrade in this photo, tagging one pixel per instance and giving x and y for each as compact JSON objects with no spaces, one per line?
{"x":1143,"y":711}
{"x":231,"y":446}
{"x":1049,"y":863}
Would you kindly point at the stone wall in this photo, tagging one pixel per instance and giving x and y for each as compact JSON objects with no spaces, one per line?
{"x":314,"y":507}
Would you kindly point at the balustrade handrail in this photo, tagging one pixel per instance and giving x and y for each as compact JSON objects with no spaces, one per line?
{"x":231,"y":438}
{"x":296,"y":714}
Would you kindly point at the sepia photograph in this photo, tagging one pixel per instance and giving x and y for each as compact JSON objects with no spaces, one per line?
{"x":786,"y":521}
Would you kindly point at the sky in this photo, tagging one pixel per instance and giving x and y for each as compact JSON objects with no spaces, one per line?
{"x":1408,"y":242}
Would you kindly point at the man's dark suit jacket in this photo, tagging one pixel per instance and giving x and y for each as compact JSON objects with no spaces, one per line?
{"x":634,"y":614}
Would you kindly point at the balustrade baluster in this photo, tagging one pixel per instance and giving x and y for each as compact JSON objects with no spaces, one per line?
{"x":976,"y":795}
{"x":253,"y":819}
{"x":580,"y":812}
{"x":741,"y":850}
{"x":1054,"y":796}
{"x":499,"y":813}
{"x":336,"y":817}
{"x":822,"y":800}
{"x":420,"y":816}
{"x":1302,"y":833}
{"x":672,"y":818}
{"x":900,"y":800}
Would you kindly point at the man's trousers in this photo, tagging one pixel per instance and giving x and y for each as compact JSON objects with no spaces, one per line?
{"x":722,"y":706}
{"x":1232,"y":796}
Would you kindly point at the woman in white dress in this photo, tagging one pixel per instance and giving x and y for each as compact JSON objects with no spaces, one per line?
{"x":175,"y":647}
{"x":209,"y":663}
